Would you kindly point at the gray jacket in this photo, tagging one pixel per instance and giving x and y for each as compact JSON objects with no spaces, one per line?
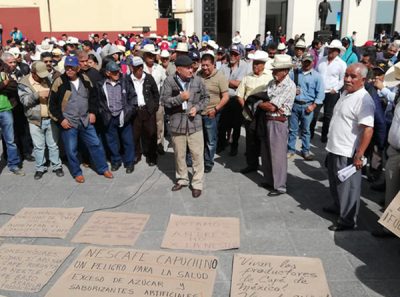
{"x":30,"y":100}
{"x":180,"y":122}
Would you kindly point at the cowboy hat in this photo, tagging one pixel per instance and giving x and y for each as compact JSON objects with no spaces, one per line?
{"x":392,"y":76}
{"x":14,"y":51}
{"x":259,"y":56}
{"x":213,"y":44}
{"x":72,"y":40}
{"x":150,"y":48}
{"x":282,"y":62}
{"x":336,"y":43}
{"x":36,"y":56}
{"x":300,"y":44}
{"x":164,"y":54}
{"x":153,"y":36}
{"x":45,"y":46}
{"x":182,"y":47}
{"x":236,"y":39}
{"x":281,"y":47}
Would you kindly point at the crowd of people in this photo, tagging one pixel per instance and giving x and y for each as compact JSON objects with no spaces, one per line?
{"x":120,"y":100}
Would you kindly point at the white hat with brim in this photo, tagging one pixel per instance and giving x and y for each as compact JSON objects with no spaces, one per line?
{"x":150,"y":48}
{"x":337,"y":44}
{"x":282,"y":62}
{"x":236,"y":39}
{"x":36,"y":56}
{"x":72,"y":40}
{"x":153,"y":36}
{"x":113,"y":49}
{"x":281,"y":47}
{"x":392,"y":76}
{"x":45,"y":46}
{"x":259,"y":56}
{"x":164,"y":54}
{"x":212,"y":44}
{"x":14,"y":51}
{"x":182,"y":47}
{"x":300,"y":44}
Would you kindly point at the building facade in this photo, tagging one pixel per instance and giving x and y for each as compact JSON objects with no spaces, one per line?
{"x":221,"y":18}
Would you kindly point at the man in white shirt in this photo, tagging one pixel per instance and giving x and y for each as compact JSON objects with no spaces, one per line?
{"x":332,"y":69}
{"x":159,"y":75}
{"x":350,"y":133}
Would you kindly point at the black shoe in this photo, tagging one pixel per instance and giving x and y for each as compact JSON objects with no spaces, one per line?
{"x":59,"y":172}
{"x":130,"y":169}
{"x":266,"y":186}
{"x":196,"y":193}
{"x":331,"y":210}
{"x":160,"y":149}
{"x":38,"y":175}
{"x":177,"y":187}
{"x":248,"y":169}
{"x":115,"y":167}
{"x":29,"y":158}
{"x":207,"y":169}
{"x":233,"y":152}
{"x":152,"y":163}
{"x":275,"y":193}
{"x":340,"y":227}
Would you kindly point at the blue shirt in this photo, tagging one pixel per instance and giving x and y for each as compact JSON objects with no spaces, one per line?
{"x":311,"y":87}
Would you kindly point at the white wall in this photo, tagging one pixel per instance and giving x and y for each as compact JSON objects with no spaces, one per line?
{"x":302,"y":19}
{"x":357,"y":18}
{"x":248,"y":18}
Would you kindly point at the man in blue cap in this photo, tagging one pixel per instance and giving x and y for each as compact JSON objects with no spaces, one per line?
{"x":72,"y":105}
{"x":117,"y":98}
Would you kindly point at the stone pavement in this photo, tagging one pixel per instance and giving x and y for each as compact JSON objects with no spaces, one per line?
{"x":356,"y":264}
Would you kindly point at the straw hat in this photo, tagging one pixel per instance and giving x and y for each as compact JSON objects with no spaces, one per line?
{"x":259,"y":56}
{"x":336,"y":43}
{"x":212,"y":44}
{"x":45,"y":46}
{"x":300,"y":44}
{"x":236,"y":39}
{"x":182,"y":47}
{"x":281,"y":47}
{"x":150,"y":48}
{"x":282,"y":62}
{"x":392,"y":76}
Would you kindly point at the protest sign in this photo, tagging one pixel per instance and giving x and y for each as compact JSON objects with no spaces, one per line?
{"x":391,"y":217}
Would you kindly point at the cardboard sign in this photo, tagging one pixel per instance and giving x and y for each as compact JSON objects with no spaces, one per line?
{"x":112,"y":272}
{"x":391,"y":217}
{"x":202,"y":233}
{"x":112,"y":228}
{"x":41,"y":222}
{"x":27,"y":268}
{"x":276,"y":276}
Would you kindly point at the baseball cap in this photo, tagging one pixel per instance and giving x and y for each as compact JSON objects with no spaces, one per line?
{"x":221,"y":50}
{"x":183,"y":61}
{"x":250,"y":47}
{"x":71,"y":61}
{"x":234,"y":48}
{"x":112,"y":66}
{"x":308,"y":57}
{"x":136,"y":61}
{"x":381,"y":66}
{"x":40,"y":69}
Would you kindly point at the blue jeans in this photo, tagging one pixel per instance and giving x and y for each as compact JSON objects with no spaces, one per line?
{"x":300,"y":117}
{"x":115,"y":136}
{"x":7,"y":128}
{"x":91,"y":141}
{"x":46,"y":134}
{"x":210,"y":130}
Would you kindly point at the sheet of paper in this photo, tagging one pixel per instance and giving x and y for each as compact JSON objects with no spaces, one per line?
{"x":202,"y":233}
{"x":391,"y":217}
{"x":27,"y":268}
{"x":113,"y":272}
{"x":112,"y":228}
{"x":277,"y":276}
{"x":41,"y":222}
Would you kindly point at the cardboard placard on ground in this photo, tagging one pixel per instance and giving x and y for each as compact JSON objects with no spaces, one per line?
{"x":202,"y":233}
{"x":41,"y":222}
{"x":27,"y":268}
{"x":114,"y":272}
{"x":277,"y":276}
{"x":391,"y":217}
{"x":112,"y":228}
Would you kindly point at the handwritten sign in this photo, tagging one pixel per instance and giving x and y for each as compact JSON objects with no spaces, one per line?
{"x":202,"y":233}
{"x":391,"y":217}
{"x":27,"y":268}
{"x":112,"y":228}
{"x":116,"y":272}
{"x":41,"y":222}
{"x":276,"y":276}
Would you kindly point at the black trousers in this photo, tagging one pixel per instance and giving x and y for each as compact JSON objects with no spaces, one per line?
{"x":329,"y":104}
{"x":231,"y":118}
{"x":252,"y":144}
{"x":145,"y":134}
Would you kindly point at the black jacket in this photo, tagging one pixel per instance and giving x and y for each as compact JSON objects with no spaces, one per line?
{"x":150,"y":93}
{"x":129,"y":100}
{"x":61,"y":92}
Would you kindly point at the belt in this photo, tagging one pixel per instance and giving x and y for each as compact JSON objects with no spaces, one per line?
{"x":278,"y":118}
{"x":45,"y":118}
{"x":143,"y":107}
{"x":301,"y":102}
